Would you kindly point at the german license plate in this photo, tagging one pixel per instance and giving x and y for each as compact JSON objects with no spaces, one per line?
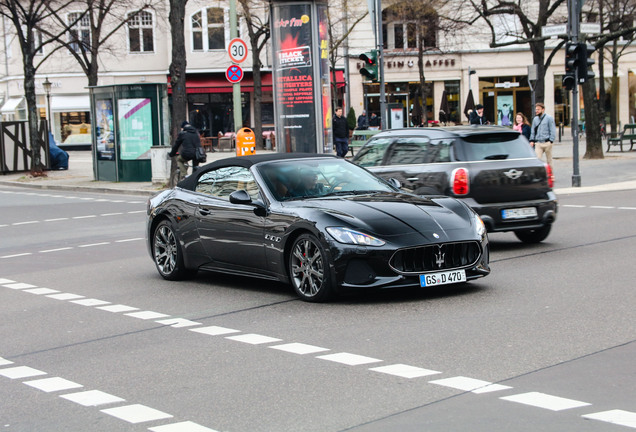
{"x":519,"y":213}
{"x":443,"y":278}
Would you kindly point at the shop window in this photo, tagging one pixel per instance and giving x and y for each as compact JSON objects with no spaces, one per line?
{"x":208,"y":29}
{"x":79,"y":31}
{"x":141,"y":32}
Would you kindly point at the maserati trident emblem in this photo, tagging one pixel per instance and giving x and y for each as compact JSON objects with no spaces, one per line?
{"x":513,"y":174}
{"x":439,"y":257}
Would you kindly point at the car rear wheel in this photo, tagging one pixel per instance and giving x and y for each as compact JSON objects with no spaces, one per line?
{"x":309,"y":272}
{"x":534,"y":235}
{"x":167,"y":253}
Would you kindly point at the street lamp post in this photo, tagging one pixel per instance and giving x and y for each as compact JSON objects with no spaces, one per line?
{"x":47,"y":89}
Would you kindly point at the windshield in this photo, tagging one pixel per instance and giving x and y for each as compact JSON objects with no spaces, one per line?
{"x":321,"y":177}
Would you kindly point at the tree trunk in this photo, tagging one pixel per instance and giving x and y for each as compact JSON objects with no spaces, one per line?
{"x":33,"y":116}
{"x":593,"y":143}
{"x":177,"y":71}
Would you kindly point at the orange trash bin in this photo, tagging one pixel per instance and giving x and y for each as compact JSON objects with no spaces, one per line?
{"x":245,"y":142}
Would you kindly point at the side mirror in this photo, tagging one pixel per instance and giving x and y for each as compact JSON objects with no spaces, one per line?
{"x":394,"y":182}
{"x":240,"y":197}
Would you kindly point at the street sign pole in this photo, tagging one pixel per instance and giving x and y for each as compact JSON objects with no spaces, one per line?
{"x":573,"y":30}
{"x":236,"y":87}
{"x":380,"y":47}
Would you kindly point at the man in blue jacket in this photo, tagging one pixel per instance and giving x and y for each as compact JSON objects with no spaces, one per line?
{"x":542,"y":133}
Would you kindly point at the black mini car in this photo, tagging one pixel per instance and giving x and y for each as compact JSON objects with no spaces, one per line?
{"x":492,"y":169}
{"x":318,"y":222}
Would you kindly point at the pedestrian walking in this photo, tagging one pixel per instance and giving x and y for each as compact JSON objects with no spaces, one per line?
{"x":522,"y":125}
{"x":341,"y":133}
{"x":543,"y":133}
{"x":185,"y":148}
{"x":363,"y":121}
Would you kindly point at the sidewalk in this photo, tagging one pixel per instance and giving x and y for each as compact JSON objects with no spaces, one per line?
{"x":616,"y":172}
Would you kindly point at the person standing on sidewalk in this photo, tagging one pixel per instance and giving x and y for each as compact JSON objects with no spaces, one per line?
{"x":340,"y":133}
{"x":543,"y":133}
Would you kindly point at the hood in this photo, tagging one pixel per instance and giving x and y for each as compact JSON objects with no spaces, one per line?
{"x":392,"y":214}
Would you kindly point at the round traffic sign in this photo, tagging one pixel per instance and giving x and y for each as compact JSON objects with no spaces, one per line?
{"x":237,"y":50}
{"x":234,"y":74}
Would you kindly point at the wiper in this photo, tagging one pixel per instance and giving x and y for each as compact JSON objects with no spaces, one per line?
{"x":353,"y":192}
{"x":496,"y":157}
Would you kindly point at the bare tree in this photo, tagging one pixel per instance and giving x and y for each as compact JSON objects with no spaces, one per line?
{"x":99,"y":21}
{"x":530,"y":17}
{"x":258,"y":31}
{"x":339,"y":29}
{"x":28,"y":19}
{"x":177,"y":70}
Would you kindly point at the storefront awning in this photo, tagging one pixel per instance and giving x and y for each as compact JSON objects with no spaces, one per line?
{"x":70,"y":103}
{"x":217,"y":83}
{"x":11,"y":104}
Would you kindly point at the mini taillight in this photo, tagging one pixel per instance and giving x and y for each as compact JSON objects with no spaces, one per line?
{"x":459,"y":181}
{"x":548,"y":171}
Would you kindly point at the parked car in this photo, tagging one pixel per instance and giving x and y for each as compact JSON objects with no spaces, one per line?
{"x":318,"y":222}
{"x":493,"y":169}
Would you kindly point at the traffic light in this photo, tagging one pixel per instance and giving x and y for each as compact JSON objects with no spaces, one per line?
{"x":571,"y":65}
{"x":370,"y":68}
{"x":585,"y":62}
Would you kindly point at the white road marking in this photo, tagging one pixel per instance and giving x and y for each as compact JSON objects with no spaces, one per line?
{"x":4,"y":362}
{"x":147,"y":315}
{"x":404,"y":371}
{"x":17,"y":255}
{"x":299,"y":348}
{"x":627,"y":208}
{"x":56,"y":250}
{"x":214,"y":330}
{"x":112,"y":214}
{"x":84,"y":217}
{"x":469,"y":384}
{"x":178,"y":322}
{"x":129,"y":240}
{"x":94,"y":244}
{"x":92,"y":398}
{"x":20,"y":372}
{"x":65,"y":296}
{"x":253,"y":339}
{"x":618,"y":417}
{"x":18,"y":286}
{"x":349,"y":359}
{"x":6,"y":281}
{"x":41,"y":291}
{"x":56,"y":219}
{"x":542,"y":400}
{"x":49,"y":385}
{"x":137,"y":211}
{"x":186,"y":426}
{"x":136,"y":413}
{"x":574,"y":205}
{"x":602,"y":207}
{"x":117,"y":308}
{"x":24,"y":223}
{"x":90,"y":302}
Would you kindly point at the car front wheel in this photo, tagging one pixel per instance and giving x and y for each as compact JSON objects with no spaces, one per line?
{"x":167,"y":253}
{"x":534,"y":235}
{"x":309,"y":272}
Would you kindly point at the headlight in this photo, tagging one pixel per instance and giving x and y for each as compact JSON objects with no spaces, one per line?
{"x":349,"y":236}
{"x":480,"y":226}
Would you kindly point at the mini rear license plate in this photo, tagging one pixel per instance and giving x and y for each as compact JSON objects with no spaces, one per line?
{"x":443,"y":278}
{"x":519,"y":213}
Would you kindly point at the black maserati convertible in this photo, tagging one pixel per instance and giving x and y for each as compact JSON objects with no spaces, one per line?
{"x":318,"y":222}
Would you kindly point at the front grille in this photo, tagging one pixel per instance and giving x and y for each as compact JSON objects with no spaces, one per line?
{"x":437,"y":257}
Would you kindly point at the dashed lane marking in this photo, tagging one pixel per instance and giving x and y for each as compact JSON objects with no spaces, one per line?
{"x":405,"y":371}
{"x":137,"y":413}
{"x":253,"y":339}
{"x":349,"y":359}
{"x":618,"y":417}
{"x":19,"y":372}
{"x":469,"y":384}
{"x":214,"y":330}
{"x":90,"y":302}
{"x":41,"y":291}
{"x":186,"y":426}
{"x":55,"y":250}
{"x":147,"y":315}
{"x":65,"y":296}
{"x":92,"y":398}
{"x":117,"y":308}
{"x":66,"y":248}
{"x":299,"y":348}
{"x":542,"y":400}
{"x":54,"y":384}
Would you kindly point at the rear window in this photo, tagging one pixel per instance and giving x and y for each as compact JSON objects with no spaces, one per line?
{"x":418,"y":151}
{"x":372,"y":153}
{"x":496,"y":146}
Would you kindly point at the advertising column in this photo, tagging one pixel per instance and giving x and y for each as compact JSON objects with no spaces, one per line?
{"x":301,"y":77}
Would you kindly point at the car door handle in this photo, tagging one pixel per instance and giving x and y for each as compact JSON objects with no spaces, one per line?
{"x":412,"y":178}
{"x":205,"y":212}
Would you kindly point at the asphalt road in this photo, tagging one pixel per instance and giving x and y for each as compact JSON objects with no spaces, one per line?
{"x":93,"y":339}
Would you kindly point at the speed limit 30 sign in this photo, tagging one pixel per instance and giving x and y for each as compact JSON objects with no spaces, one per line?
{"x":237,"y":50}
